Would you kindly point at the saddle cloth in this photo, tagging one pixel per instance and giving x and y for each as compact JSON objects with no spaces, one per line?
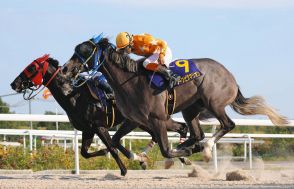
{"x":185,"y":68}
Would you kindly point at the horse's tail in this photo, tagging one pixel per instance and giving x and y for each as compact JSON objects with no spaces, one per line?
{"x":257,"y":105}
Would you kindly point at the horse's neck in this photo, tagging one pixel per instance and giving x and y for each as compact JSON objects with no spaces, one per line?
{"x":58,"y":95}
{"x":120,"y":80}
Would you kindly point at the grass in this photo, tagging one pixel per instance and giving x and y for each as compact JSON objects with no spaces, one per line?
{"x":54,"y":157}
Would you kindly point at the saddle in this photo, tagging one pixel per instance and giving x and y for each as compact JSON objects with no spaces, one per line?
{"x":108,"y":105}
{"x":185,"y":68}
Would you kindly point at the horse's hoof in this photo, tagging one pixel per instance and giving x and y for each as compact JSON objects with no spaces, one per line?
{"x":143,"y":165}
{"x":123,"y":172}
{"x":168,"y":163}
{"x":185,"y":161}
{"x":198,"y":148}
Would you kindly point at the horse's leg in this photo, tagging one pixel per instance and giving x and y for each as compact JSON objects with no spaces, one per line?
{"x":126,"y":128}
{"x":143,"y":155}
{"x":160,"y":131}
{"x":190,"y":115}
{"x":182,"y":129}
{"x":178,"y":127}
{"x":87,"y":138}
{"x":226,"y":126}
{"x":106,"y":139}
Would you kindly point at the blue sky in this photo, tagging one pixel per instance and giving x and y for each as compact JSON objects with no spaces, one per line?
{"x":252,"y":38}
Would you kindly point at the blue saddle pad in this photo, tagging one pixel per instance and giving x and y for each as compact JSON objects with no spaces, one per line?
{"x":99,"y":93}
{"x":185,"y":68}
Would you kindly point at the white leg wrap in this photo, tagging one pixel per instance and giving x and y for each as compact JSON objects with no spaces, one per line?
{"x":209,"y":144}
{"x":134,"y":156}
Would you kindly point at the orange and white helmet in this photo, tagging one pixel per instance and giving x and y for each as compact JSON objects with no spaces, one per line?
{"x":123,"y":39}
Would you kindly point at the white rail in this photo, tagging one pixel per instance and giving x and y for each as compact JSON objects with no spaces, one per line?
{"x":76,"y":135}
{"x":64,"y":118}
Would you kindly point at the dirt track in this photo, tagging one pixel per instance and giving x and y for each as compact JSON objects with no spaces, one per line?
{"x":176,"y":178}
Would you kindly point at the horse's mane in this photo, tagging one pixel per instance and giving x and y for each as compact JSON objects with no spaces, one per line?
{"x":120,"y":59}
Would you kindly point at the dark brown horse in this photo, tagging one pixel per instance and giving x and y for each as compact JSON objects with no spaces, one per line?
{"x":144,"y":105}
{"x":86,"y":113}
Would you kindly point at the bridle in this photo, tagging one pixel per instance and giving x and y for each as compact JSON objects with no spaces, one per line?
{"x":97,"y":63}
{"x":35,"y":78}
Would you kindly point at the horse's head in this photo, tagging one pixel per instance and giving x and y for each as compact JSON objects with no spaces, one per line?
{"x":40,"y":72}
{"x":86,"y":57}
{"x":93,"y":54}
{"x":32,"y":75}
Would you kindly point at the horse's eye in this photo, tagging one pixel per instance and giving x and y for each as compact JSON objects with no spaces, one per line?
{"x":31,"y":69}
{"x":64,"y":70}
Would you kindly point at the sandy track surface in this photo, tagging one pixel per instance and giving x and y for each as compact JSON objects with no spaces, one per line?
{"x":177,"y":179}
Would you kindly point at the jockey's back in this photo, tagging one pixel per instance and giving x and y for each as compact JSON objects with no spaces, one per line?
{"x":146,"y":45}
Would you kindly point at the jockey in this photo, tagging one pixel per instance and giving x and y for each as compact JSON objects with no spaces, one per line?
{"x":158,"y":54}
{"x":101,"y":82}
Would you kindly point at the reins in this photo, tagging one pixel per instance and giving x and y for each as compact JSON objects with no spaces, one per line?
{"x":91,"y":72}
{"x":29,"y":97}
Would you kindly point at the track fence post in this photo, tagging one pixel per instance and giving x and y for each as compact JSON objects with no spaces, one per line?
{"x":245,"y":151}
{"x":250,"y":152}
{"x":64,"y":144}
{"x":35,"y":143}
{"x":214,"y":150}
{"x":77,"y":163}
{"x":31,"y":142}
{"x":24,"y":144}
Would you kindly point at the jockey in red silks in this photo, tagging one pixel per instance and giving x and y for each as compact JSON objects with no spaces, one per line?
{"x":158,"y":54}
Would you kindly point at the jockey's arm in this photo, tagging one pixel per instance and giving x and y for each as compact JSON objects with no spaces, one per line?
{"x":163,"y":45}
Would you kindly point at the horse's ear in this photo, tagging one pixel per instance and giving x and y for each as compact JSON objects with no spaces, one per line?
{"x":53,"y":62}
{"x":43,"y":58}
{"x":97,"y":38}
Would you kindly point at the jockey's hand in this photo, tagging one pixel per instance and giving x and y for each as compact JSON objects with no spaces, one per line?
{"x":158,"y":50}
{"x":161,"y":59}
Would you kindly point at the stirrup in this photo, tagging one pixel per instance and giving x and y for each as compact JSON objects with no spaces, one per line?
{"x":174,"y":79}
{"x":110,"y":96}
{"x":172,"y":83}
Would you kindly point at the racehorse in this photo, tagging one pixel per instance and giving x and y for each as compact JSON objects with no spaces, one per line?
{"x":85,"y":113}
{"x":138,"y":102}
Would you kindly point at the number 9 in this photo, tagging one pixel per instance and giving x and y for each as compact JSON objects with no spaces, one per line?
{"x":183,"y":63}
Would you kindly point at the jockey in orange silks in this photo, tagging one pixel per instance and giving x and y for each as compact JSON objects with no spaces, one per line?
{"x":158,"y":54}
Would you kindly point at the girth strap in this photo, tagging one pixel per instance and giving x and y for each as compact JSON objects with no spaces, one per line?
{"x":110,"y":114}
{"x":170,"y":101}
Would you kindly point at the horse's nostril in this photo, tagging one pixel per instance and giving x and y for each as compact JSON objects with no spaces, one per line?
{"x":12,"y":86}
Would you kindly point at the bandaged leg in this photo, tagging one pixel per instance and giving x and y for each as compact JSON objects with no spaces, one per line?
{"x":143,"y":155}
{"x":149,"y":146}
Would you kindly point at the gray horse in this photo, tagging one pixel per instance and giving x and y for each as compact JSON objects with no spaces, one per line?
{"x":144,"y":105}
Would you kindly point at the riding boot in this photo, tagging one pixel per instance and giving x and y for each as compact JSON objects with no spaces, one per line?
{"x":104,"y":85}
{"x":168,"y":75}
